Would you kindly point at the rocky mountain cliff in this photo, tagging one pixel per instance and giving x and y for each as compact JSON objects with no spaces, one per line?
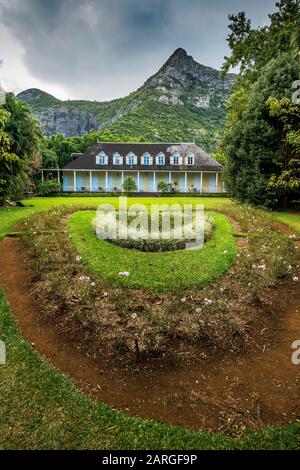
{"x":183,"y":101}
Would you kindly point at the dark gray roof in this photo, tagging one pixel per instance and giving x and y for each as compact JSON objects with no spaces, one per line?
{"x":87,"y":161}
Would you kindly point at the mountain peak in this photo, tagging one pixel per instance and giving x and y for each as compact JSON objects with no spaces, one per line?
{"x":182,"y":68}
{"x":35,"y":95}
{"x":180,"y":52}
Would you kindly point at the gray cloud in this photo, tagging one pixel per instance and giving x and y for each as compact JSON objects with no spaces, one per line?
{"x":103,"y":49}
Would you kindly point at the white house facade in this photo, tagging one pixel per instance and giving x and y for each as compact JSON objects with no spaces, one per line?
{"x":105,"y":166}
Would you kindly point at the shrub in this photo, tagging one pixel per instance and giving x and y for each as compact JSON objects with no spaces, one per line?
{"x":129,"y":185}
{"x":44,"y":188}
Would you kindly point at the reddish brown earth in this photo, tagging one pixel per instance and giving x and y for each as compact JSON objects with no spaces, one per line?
{"x":228,"y":393}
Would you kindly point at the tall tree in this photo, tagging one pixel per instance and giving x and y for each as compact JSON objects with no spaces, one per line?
{"x":10,"y":164}
{"x":19,"y":150}
{"x":254,"y":141}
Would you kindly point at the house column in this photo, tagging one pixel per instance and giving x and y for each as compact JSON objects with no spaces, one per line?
{"x":201,"y":183}
{"x":217,"y":181}
{"x":91,"y":181}
{"x":138,"y":182}
{"x":154,"y":182}
{"x":106,"y":181}
{"x":74,"y":175}
{"x":122,"y":180}
{"x":185,"y":182}
{"x":58,"y":178}
{"x":170,"y":177}
{"x":42,"y":176}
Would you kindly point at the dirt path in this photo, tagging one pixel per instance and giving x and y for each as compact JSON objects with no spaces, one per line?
{"x":227,"y":394}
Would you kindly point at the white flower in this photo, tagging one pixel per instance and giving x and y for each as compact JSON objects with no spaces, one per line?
{"x":134,"y":316}
{"x":183,"y":299}
{"x":125,"y":273}
{"x":221,"y":290}
{"x":238,"y":255}
{"x":254,"y":266}
{"x":84,"y":278}
{"x":225,"y":252}
{"x":198,"y":310}
{"x":295,"y":278}
{"x":34,"y":233}
{"x":208,"y":302}
{"x":93,"y":284}
{"x":262,"y":266}
{"x":78,"y":259}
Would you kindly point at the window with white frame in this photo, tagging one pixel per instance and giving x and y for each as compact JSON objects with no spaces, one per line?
{"x":190,"y":159}
{"x":117,"y":159}
{"x":176,"y":159}
{"x":131,"y":159}
{"x":146,"y":159}
{"x":101,"y":159}
{"x":160,"y":159}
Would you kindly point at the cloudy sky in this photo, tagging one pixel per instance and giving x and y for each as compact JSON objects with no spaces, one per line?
{"x":104,"y":49}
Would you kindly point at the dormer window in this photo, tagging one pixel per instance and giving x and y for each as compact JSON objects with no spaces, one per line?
{"x":101,"y":159}
{"x":160,"y":159}
{"x":147,"y":159}
{"x":176,"y":159}
{"x":117,"y":159}
{"x":190,"y":159}
{"x":131,"y":159}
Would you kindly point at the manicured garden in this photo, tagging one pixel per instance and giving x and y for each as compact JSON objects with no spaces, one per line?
{"x":154,"y":271}
{"x":60,"y":416}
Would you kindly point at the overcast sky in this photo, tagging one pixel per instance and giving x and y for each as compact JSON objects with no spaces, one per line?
{"x":104,"y":49}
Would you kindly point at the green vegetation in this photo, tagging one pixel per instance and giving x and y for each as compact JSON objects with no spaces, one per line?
{"x":154,"y":271}
{"x":19,"y":137}
{"x":262,"y":140}
{"x":129,"y":185}
{"x":42,"y":409}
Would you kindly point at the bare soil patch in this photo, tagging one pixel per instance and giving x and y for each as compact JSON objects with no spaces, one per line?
{"x":216,"y":392}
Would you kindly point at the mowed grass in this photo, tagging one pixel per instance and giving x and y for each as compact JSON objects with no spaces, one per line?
{"x":42,"y":409}
{"x":177,"y":270}
{"x":9,"y":216}
{"x":293,"y":220}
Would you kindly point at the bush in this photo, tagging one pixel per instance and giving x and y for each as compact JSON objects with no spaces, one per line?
{"x":129,"y":185}
{"x":44,"y":188}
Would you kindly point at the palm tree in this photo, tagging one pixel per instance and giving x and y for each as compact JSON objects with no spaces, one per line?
{"x":24,"y":131}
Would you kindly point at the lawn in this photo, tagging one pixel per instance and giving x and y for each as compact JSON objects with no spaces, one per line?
{"x":42,"y":409}
{"x":154,"y":271}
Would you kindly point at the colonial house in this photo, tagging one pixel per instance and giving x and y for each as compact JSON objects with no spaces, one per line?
{"x":105,"y":166}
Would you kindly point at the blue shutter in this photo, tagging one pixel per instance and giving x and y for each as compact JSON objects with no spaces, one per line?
{"x":79,"y":182}
{"x":65,"y":183}
{"x":197,"y":182}
{"x":181,"y":183}
{"x":110,"y":182}
{"x":95,"y":184}
{"x":141,"y":183}
{"x":212,"y":184}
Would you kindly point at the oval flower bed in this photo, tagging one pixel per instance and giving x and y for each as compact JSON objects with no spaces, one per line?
{"x":161,"y":271}
{"x":126,"y":303}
